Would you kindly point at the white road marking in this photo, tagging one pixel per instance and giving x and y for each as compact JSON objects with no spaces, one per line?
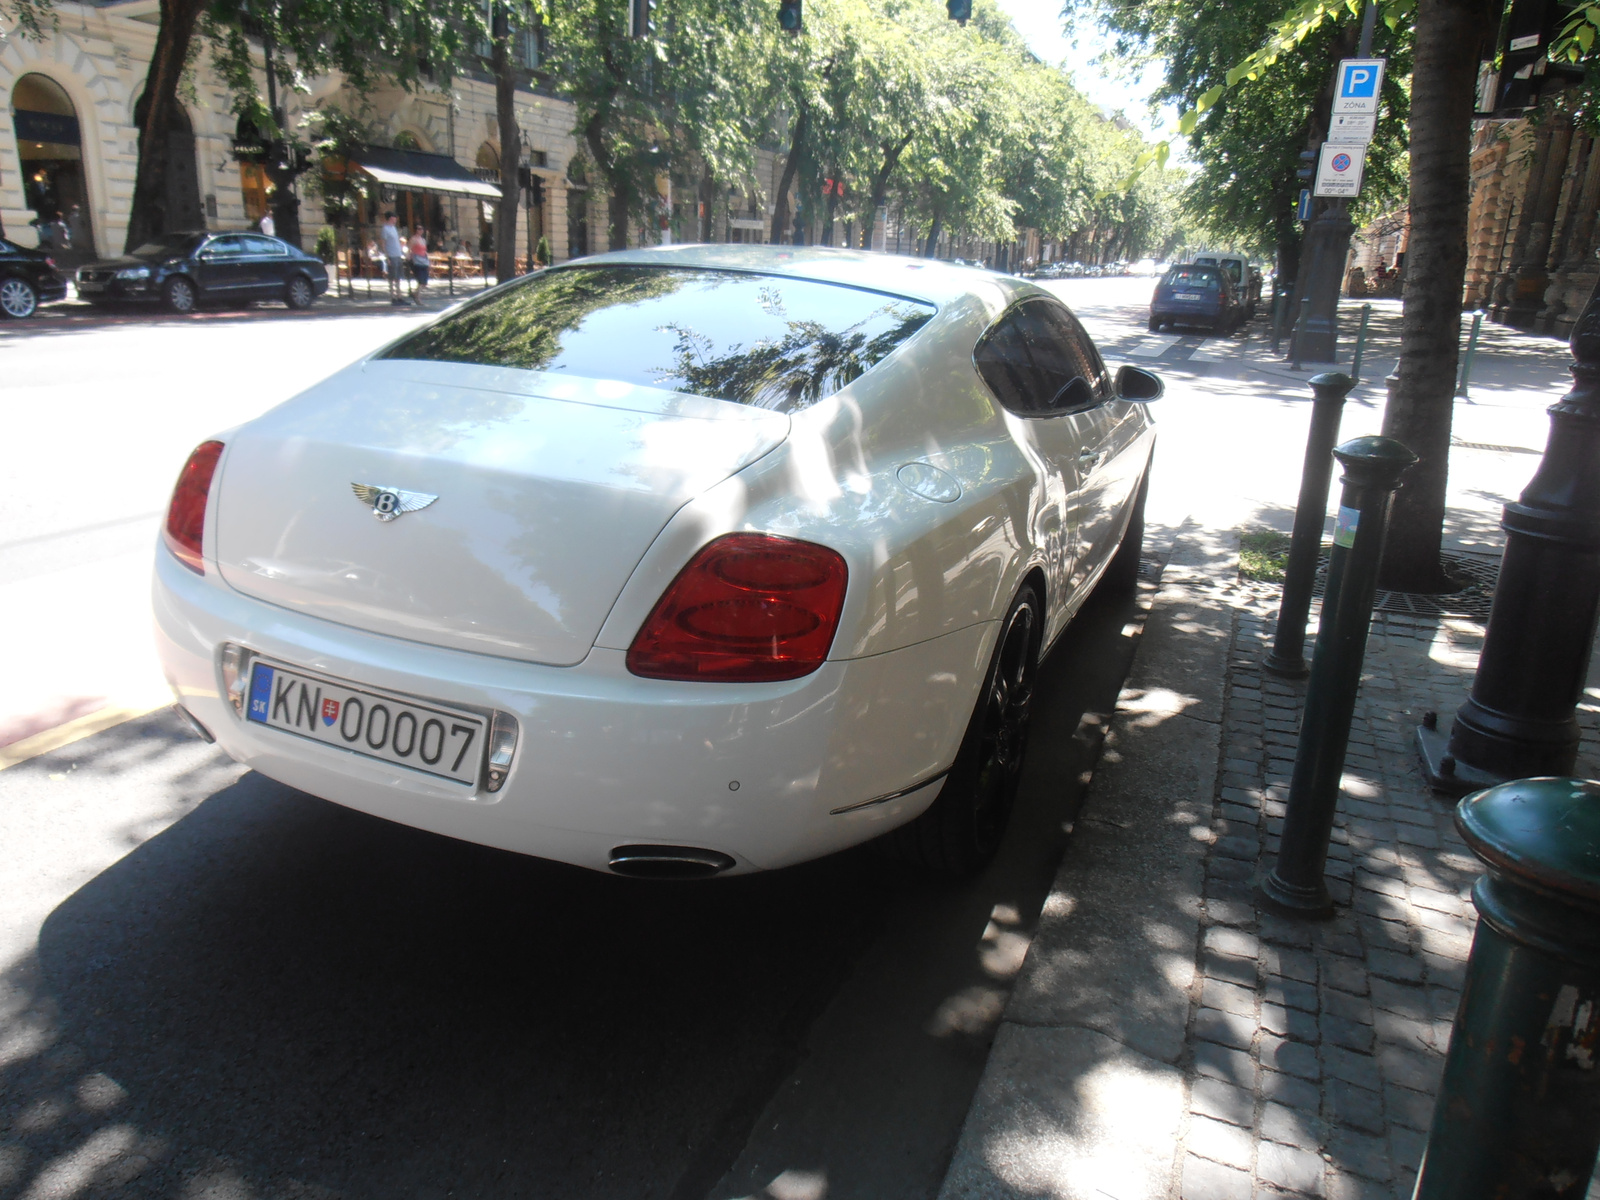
{"x":1153,"y":347}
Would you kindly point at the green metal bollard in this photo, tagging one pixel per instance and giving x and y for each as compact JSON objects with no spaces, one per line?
{"x":1518,"y":1112}
{"x":1472,"y":350}
{"x":1361,"y":343}
{"x":1372,"y":469}
{"x":1300,"y":576}
{"x":1294,"y":334}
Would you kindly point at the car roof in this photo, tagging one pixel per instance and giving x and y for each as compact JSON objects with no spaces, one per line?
{"x":916,"y":278}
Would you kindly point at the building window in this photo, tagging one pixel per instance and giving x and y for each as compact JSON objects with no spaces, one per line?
{"x":253,"y":187}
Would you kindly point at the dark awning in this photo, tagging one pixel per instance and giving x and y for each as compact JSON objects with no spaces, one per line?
{"x":419,"y":171}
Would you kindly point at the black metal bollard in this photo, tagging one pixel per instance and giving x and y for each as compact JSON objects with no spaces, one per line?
{"x":1299,"y":578}
{"x":1518,"y":1113}
{"x":1521,"y":718}
{"x":1372,"y":469}
{"x":1279,"y":299}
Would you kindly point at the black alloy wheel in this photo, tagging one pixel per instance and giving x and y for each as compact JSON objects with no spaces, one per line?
{"x":297,"y":293}
{"x":961,"y":831}
{"x":18,"y":298}
{"x":180,"y":295}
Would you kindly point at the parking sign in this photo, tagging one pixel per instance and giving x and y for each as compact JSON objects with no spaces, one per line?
{"x":1360,"y":85}
{"x":1339,"y":170}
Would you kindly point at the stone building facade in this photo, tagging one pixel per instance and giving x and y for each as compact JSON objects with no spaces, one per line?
{"x":1533,"y":234}
{"x":69,"y":110}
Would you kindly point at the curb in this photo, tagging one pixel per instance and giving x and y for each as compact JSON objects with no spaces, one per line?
{"x":1082,"y":1095}
{"x":75,"y":730}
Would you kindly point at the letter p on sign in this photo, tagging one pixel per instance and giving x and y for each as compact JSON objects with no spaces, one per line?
{"x":1360,"y":84}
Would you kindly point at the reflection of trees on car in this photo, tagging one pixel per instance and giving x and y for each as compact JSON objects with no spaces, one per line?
{"x":810,"y":363}
{"x":765,"y":340}
{"x":524,"y":328}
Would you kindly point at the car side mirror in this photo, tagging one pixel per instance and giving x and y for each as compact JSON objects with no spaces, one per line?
{"x":1075,"y":393}
{"x":1138,"y":385}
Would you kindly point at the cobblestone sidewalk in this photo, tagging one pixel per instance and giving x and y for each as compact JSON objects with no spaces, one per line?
{"x":1314,"y":1049}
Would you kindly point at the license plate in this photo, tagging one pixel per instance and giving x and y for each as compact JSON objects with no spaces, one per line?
{"x":1187,"y":296}
{"x":438,"y":741}
{"x":85,"y":285}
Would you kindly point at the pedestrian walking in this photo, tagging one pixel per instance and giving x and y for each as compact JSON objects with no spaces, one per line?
{"x":418,"y":251}
{"x":268,"y":225}
{"x":394,"y":253}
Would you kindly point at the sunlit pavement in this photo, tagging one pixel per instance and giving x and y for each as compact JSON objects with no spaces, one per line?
{"x":210,"y":982}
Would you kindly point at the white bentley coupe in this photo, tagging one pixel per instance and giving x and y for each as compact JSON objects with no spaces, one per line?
{"x":667,"y":562}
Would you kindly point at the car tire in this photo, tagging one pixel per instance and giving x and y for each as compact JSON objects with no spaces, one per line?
{"x":1122,"y":575}
{"x":298,"y":293}
{"x":1155,"y":325}
{"x":18,"y":298}
{"x":180,"y":296}
{"x":960,"y":832}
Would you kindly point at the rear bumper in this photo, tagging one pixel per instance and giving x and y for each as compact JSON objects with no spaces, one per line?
{"x":754,"y":771}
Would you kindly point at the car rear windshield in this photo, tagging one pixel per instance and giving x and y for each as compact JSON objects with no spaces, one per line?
{"x":1231,"y":265}
{"x":764,"y":340}
{"x":1193,"y":279}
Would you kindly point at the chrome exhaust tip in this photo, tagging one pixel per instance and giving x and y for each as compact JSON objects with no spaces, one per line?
{"x":668,"y":862}
{"x":193,"y":722}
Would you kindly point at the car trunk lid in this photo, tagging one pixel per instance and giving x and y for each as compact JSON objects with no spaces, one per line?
{"x":548,"y":491}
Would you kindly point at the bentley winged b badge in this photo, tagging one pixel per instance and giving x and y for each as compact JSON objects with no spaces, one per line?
{"x":389,"y":502}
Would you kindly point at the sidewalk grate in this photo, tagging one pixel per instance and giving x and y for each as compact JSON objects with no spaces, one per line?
{"x":1472,"y":602}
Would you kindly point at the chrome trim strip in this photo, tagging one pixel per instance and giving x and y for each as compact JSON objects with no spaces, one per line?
{"x":905,"y":791}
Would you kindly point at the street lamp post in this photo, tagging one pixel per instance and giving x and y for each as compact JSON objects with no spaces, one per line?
{"x":1520,"y":719}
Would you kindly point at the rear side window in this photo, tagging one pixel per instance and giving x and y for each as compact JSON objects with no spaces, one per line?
{"x":256,"y":244}
{"x":1030,"y":355}
{"x":764,"y":340}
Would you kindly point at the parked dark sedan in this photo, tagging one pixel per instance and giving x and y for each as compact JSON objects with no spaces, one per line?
{"x":28,"y":278}
{"x":185,"y":270}
{"x":1190,"y":294}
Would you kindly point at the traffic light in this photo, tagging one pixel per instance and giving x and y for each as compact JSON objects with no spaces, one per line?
{"x":1307,"y":157}
{"x":960,"y":10}
{"x":641,"y":18}
{"x":789,"y":15}
{"x":536,"y":191}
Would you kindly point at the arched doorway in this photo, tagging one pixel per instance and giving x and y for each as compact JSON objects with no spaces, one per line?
{"x":184,"y":211}
{"x":417,"y":209}
{"x":577,"y":209}
{"x":487,"y":168}
{"x":50,"y":147}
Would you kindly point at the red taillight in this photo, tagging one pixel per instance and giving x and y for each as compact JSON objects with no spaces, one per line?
{"x":186,"y":515}
{"x":748,"y":607}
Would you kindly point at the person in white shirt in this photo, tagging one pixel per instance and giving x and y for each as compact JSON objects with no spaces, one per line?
{"x":394,"y":252}
{"x":268,"y":227}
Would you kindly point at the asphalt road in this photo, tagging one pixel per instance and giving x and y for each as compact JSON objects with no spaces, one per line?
{"x":214,"y":986}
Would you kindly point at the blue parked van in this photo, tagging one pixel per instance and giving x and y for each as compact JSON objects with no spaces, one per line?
{"x":1191,"y":294}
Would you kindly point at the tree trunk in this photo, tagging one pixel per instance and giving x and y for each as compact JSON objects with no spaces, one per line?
{"x":1449,"y":35}
{"x":880,"y":187}
{"x":780,"y":202}
{"x":934,"y":230}
{"x":708,"y":200}
{"x":148,"y":214}
{"x":505,"y":109}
